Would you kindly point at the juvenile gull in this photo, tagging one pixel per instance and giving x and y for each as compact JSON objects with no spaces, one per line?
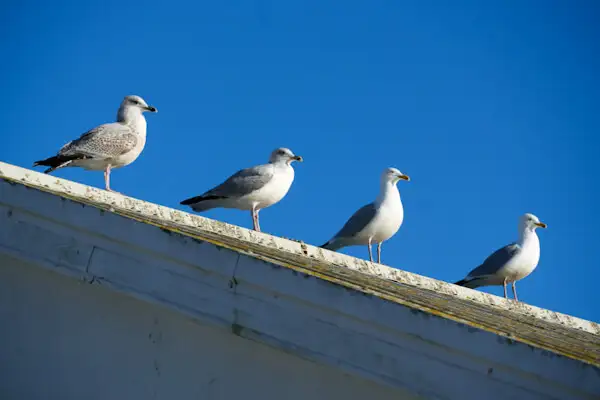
{"x":251,"y":188}
{"x":510,"y":263}
{"x":376,"y":222}
{"x":107,"y":146}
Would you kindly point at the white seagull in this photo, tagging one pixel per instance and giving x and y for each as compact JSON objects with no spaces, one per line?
{"x":107,"y":146}
{"x":510,"y":263}
{"x":376,"y":222}
{"x":252,"y":188}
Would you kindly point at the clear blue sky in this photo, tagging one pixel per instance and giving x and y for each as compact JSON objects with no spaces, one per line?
{"x":491,"y":108}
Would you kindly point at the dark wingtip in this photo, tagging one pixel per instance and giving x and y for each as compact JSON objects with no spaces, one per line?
{"x":191,"y":200}
{"x":44,"y":163}
{"x":198,"y":199}
{"x":461,"y":282}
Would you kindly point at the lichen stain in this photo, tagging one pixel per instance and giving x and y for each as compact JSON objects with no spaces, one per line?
{"x":304,"y":248}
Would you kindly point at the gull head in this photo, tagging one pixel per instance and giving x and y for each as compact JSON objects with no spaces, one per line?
{"x":531,"y":222}
{"x":137,"y":102}
{"x":393,"y":175}
{"x":285,"y":155}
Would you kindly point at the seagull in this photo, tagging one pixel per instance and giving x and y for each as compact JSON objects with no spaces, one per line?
{"x":251,"y":188}
{"x":510,"y":263}
{"x":376,"y":222}
{"x":107,"y":146}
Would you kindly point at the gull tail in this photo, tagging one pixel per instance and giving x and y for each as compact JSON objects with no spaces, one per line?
{"x":54,"y":163}
{"x":470,"y":283}
{"x":201,"y":203}
{"x":331,"y":245}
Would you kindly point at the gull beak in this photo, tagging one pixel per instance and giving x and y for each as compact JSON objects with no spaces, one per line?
{"x":541,"y":224}
{"x":297,"y":158}
{"x":404,"y":177}
{"x":151,"y":109}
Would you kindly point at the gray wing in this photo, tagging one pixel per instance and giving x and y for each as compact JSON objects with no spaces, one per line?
{"x":496,"y":261}
{"x":242,"y":182}
{"x":104,"y":141}
{"x":357,"y":222}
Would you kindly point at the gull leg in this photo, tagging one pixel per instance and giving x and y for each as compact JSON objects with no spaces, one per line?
{"x":107,"y":179}
{"x":514,"y":288}
{"x":505,"y":294}
{"x":258,"y":221}
{"x":254,"y":224}
{"x":370,"y":251}
{"x":379,"y":252}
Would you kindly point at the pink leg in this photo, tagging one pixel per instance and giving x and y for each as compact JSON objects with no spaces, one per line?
{"x":505,"y":294}
{"x":254,"y":225}
{"x":107,"y":179}
{"x":514,"y":288}
{"x":257,"y":221}
{"x":370,"y":251}
{"x":379,"y":252}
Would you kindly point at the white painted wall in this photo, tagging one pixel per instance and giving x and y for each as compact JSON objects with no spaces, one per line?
{"x":66,"y":340}
{"x":97,"y":305}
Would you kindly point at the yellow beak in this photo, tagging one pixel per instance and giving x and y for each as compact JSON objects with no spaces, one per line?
{"x":541,"y":225}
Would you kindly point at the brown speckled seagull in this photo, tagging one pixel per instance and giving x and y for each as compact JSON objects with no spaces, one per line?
{"x":107,"y":146}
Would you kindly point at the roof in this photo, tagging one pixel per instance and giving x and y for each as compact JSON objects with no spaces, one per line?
{"x":555,"y":332}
